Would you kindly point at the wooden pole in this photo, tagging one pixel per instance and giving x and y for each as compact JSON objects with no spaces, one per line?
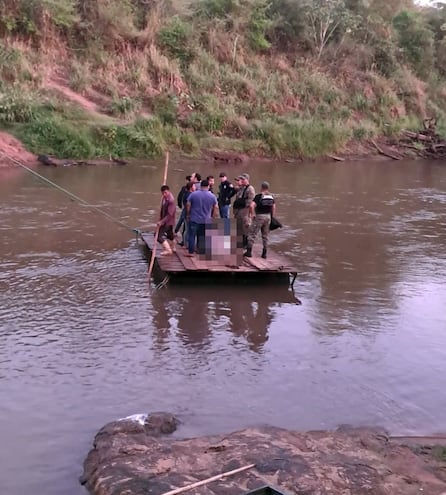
{"x":155,"y":243}
{"x":208,"y":480}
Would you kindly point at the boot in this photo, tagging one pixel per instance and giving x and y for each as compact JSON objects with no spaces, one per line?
{"x":167,"y":248}
{"x":248,"y":252}
{"x":245,"y":241}
{"x":264,"y":253}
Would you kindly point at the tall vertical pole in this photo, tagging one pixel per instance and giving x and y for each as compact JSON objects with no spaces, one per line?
{"x":155,"y":241}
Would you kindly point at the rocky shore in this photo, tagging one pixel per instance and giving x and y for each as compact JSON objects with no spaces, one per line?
{"x":138,"y":455}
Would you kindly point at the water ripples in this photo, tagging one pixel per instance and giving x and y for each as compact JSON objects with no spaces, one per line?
{"x":84,"y":340}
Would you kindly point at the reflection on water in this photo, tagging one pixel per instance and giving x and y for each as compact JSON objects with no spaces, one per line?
{"x":83,"y":339}
{"x":246,"y":314}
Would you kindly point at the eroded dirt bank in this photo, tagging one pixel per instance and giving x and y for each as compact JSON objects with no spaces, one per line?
{"x":12,"y":149}
{"x":136,"y":458}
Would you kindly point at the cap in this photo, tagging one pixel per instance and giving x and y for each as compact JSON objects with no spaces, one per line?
{"x":264,"y":185}
{"x":222,"y":174}
{"x":243,"y":176}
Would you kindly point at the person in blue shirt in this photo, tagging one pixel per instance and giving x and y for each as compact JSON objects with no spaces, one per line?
{"x":201,"y":207}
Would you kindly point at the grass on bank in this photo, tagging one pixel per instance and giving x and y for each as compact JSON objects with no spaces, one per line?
{"x":228,"y":75}
{"x":256,"y":111}
{"x":47,"y":125}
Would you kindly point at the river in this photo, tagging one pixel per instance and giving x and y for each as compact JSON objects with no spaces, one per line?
{"x":84,"y":339}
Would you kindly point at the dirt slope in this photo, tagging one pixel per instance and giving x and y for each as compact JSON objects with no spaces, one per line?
{"x":12,"y":149}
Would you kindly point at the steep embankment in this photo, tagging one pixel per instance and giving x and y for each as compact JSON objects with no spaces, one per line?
{"x":12,"y":148}
{"x":61,"y":87}
{"x":92,"y":78}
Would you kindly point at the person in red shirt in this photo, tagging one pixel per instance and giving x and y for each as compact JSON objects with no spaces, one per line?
{"x":167,"y":220}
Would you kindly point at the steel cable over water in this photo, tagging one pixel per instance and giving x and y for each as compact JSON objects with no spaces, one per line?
{"x":71,"y":195}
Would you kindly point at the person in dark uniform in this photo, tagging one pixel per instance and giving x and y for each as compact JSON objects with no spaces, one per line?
{"x":242,"y":207}
{"x":182,"y":220}
{"x":225,"y":192}
{"x":262,"y":208}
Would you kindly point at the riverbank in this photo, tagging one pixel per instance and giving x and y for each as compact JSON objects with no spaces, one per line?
{"x":13,"y":151}
{"x":83,"y":81}
{"x":138,"y":455}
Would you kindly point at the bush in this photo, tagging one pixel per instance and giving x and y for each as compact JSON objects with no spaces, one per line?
{"x":124,"y":107}
{"x":145,"y":137}
{"x":10,"y":63}
{"x":53,"y":136}
{"x":416,"y":40}
{"x":360,"y":102}
{"x":312,"y":138}
{"x":306,"y":138}
{"x":258,"y":25}
{"x":272,"y":134}
{"x":175,"y":38}
{"x":80,"y":76}
{"x":16,"y":106}
{"x":210,"y":9}
{"x":166,"y":107}
{"x":188,"y":143}
{"x":287,"y":28}
{"x":32,"y":17}
{"x":365,"y":130}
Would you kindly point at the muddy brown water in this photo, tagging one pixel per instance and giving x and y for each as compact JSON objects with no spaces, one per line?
{"x":83,"y":340}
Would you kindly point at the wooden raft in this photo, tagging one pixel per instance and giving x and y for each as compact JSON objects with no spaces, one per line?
{"x":180,"y":264}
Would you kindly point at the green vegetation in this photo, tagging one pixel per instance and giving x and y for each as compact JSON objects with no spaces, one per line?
{"x":276,"y":78}
{"x":439,"y":453}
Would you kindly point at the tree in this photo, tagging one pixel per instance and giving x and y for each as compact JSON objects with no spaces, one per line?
{"x":326,"y":18}
{"x":416,"y":39}
{"x":436,"y":18}
{"x":388,"y":9}
{"x":258,"y":25}
{"x":288,"y":24}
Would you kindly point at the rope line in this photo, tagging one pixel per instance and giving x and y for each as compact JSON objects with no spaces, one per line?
{"x":71,"y":195}
{"x":163,"y":283}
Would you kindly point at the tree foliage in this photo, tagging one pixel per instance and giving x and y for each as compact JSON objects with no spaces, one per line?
{"x":326,"y":20}
{"x":416,"y":41}
{"x":33,"y":17}
{"x":288,"y":23}
{"x":258,"y":26}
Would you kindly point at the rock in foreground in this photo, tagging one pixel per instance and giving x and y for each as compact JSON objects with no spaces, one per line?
{"x":136,"y":458}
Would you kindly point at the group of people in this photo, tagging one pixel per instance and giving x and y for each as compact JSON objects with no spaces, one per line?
{"x":200,"y":204}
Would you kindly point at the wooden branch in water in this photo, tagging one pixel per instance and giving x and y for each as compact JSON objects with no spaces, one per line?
{"x":426,"y":142}
{"x":418,"y":151}
{"x":336,"y":158}
{"x":385,"y":153}
{"x":208,"y":480}
{"x":417,"y":136}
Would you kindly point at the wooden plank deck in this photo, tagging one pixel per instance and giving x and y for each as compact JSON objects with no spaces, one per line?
{"x":178,"y":262}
